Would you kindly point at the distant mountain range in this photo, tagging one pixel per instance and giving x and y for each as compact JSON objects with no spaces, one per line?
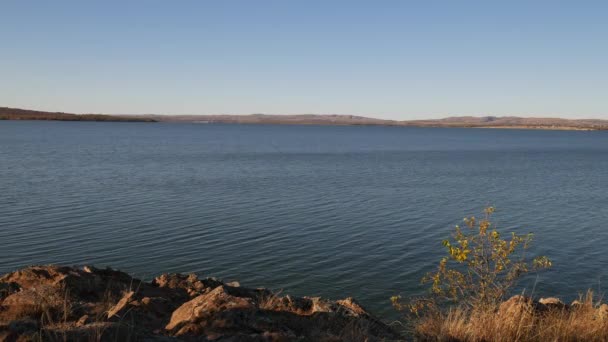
{"x":318,"y":119}
{"x":26,"y":114}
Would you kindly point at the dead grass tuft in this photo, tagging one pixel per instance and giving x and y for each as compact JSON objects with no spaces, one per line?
{"x":587,"y":321}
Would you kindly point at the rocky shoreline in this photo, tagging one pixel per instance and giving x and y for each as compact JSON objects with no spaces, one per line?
{"x":52,"y":303}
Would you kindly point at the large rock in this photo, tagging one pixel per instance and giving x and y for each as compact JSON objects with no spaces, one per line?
{"x":203,"y":310}
{"x":229,"y":312}
{"x":32,"y":302}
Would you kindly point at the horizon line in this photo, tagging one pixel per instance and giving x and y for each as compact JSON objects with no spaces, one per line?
{"x":366,"y":116}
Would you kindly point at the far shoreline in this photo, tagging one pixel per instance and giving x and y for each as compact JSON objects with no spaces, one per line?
{"x":509,"y":122}
{"x":122,"y":120}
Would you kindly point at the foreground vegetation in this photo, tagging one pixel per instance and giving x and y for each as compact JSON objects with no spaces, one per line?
{"x":468,"y":294}
{"x":518,"y":319}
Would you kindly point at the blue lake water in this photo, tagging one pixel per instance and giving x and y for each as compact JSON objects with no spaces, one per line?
{"x":323,"y":211}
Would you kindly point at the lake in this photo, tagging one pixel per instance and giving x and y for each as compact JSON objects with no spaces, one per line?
{"x":312,"y":210}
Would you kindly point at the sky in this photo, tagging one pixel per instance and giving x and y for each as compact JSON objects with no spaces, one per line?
{"x":386,"y":59}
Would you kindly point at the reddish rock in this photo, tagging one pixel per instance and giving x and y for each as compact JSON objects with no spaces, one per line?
{"x":189,"y":284}
{"x":32,"y":302}
{"x":203,"y":310}
{"x":80,"y":304}
{"x":121,"y":305}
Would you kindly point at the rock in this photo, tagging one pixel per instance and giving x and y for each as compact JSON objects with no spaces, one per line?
{"x":88,"y":269}
{"x":32,"y":302}
{"x":234,"y":284}
{"x":43,"y":302}
{"x":189,"y":284}
{"x":227,"y":312}
{"x":576,"y":304}
{"x":302,"y":306}
{"x":36,"y":275}
{"x":516,"y":306}
{"x":206,"y":305}
{"x":92,"y":285}
{"x":153,"y":311}
{"x":121,"y":305}
{"x":552,"y":303}
{"x":83,"y":321}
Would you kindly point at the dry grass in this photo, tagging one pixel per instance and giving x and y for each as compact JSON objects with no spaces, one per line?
{"x":582,"y":322}
{"x":57,"y":322}
{"x":270,"y":300}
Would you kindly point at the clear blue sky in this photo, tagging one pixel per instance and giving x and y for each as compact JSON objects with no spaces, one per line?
{"x":390,"y":59}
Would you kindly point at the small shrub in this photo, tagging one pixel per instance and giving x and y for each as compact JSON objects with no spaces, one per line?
{"x":480,"y":268}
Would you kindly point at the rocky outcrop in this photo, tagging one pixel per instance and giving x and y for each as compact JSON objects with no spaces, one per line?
{"x":517,"y":307}
{"x":80,"y":304}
